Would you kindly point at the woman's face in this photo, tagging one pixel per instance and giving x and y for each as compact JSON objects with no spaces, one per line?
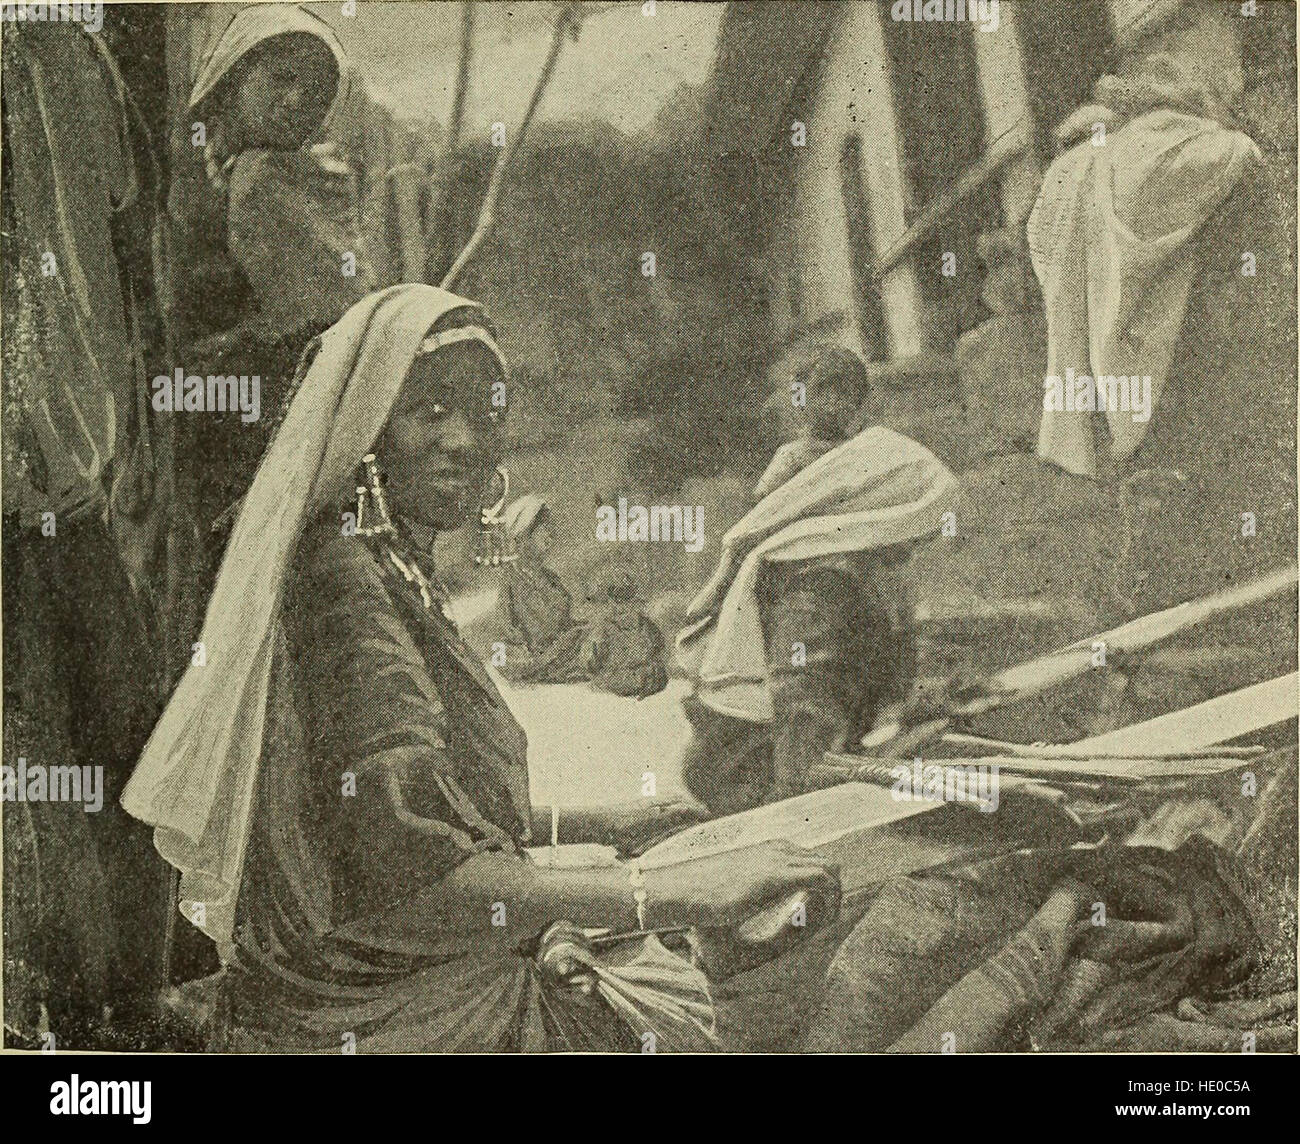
{"x":282,"y":92}
{"x":441,"y":446}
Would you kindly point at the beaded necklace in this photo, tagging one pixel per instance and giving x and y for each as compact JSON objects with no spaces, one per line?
{"x":371,"y":500}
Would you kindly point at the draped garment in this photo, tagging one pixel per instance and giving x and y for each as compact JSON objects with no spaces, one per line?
{"x":390,"y":758}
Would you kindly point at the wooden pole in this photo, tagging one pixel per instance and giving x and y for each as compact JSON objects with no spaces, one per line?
{"x":1215,"y":721}
{"x":1002,"y":152}
{"x":569,"y":16}
{"x":1072,"y":751}
{"x":439,"y":222}
{"x":1070,"y":662}
{"x":457,"y":117}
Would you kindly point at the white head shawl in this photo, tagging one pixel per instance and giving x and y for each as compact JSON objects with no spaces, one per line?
{"x":255,"y":25}
{"x":522,"y":514}
{"x":196,"y":777}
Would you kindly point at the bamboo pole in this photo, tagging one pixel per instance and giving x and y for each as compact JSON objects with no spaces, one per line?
{"x":1004,"y":150}
{"x":1071,"y":751}
{"x":568,"y":18}
{"x":439,"y":223}
{"x":1076,"y":659}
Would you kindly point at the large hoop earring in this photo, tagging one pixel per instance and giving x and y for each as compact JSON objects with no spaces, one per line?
{"x":372,"y":501}
{"x":493,"y":549}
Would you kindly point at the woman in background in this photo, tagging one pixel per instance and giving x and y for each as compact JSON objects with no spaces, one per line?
{"x":264,"y":230}
{"x":265,"y":244}
{"x":814,"y":411}
{"x":535,"y":600}
{"x":616,"y":646}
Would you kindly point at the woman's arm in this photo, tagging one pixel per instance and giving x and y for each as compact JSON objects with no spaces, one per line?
{"x":629,"y":827}
{"x":722,"y":890}
{"x":416,"y":820}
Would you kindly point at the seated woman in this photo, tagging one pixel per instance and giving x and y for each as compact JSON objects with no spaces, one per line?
{"x":537,"y":602}
{"x":617,"y":647}
{"x":341,"y":786}
{"x":803,"y":633}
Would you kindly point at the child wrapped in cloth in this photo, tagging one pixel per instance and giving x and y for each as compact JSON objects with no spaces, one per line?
{"x":804,"y":631}
{"x":342,"y":787}
{"x":266,"y":249}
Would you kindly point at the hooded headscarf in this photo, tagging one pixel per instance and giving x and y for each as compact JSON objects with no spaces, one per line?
{"x":253,"y":26}
{"x":876,"y":490}
{"x":195,"y":780}
{"x":1112,"y":233}
{"x":521,"y":516}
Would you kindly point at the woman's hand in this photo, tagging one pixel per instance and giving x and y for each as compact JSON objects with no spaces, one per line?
{"x":726,"y":889}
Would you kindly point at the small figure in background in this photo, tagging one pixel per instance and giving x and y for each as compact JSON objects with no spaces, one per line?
{"x":616,"y":646}
{"x":534,"y":597}
{"x":623,"y":649}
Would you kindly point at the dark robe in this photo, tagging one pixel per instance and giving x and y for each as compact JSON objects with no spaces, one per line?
{"x":849,"y":615}
{"x":84,"y":894}
{"x":343,"y":935}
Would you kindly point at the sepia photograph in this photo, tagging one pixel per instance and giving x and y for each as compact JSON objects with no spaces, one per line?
{"x":763,"y":527}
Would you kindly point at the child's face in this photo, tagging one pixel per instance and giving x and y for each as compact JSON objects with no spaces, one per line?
{"x":282,"y":93}
{"x":824,"y":412}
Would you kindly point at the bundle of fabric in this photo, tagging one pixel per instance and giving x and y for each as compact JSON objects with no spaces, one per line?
{"x":622,"y":648}
{"x":1044,"y":949}
{"x":660,"y":999}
